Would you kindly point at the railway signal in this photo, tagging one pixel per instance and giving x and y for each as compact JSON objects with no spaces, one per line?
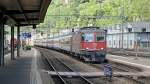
{"x":108,"y":71}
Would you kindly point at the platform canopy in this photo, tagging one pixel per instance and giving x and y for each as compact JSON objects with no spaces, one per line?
{"x":25,"y":12}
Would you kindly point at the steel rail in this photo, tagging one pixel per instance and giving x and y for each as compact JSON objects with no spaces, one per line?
{"x":89,"y":82}
{"x":140,"y":82}
{"x":61,"y":78}
{"x":85,"y":79}
{"x":127,"y":77}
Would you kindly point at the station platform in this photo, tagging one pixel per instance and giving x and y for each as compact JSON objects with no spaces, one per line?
{"x":139,"y":62}
{"x":23,"y":70}
{"x":141,"y":53}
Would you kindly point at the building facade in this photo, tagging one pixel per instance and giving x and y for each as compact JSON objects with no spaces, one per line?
{"x":129,"y":35}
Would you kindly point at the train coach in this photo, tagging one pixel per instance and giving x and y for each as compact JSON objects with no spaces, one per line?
{"x":88,"y":43}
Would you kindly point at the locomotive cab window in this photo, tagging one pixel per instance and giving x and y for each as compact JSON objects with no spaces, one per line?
{"x":100,"y":37}
{"x":87,"y":37}
{"x":83,"y":36}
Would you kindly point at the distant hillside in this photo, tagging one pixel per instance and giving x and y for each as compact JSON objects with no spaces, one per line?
{"x":70,"y":13}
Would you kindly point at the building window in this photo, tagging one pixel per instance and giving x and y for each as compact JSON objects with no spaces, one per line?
{"x":143,"y":29}
{"x":124,"y":42}
{"x":130,"y":42}
{"x":129,"y":29}
{"x":109,"y":42}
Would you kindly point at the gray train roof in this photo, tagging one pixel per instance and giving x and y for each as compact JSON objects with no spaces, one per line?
{"x":25,"y":12}
{"x":91,"y":29}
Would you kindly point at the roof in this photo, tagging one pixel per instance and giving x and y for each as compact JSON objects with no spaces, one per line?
{"x":25,"y":12}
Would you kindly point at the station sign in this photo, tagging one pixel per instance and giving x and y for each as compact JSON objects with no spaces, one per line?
{"x":26,"y":35}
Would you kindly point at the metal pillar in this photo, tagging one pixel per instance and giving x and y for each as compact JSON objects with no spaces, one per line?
{"x":12,"y":43}
{"x":136,"y":46}
{"x":1,"y":43}
{"x":18,"y":41}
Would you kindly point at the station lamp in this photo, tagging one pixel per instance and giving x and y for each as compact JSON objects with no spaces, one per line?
{"x":73,"y":30}
{"x":34,"y":26}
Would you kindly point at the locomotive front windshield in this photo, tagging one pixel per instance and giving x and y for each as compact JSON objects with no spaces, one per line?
{"x":100,"y":37}
{"x":88,"y":37}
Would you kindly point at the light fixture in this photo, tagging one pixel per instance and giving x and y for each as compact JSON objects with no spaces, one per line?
{"x":34,"y":26}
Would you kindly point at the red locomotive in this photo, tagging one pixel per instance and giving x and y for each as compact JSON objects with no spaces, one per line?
{"x":88,"y":43}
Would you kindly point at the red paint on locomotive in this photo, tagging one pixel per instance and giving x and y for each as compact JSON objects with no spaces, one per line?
{"x":101,"y":45}
{"x":88,"y":45}
{"x":94,"y":45}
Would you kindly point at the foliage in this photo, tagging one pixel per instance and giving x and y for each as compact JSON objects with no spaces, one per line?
{"x":78,"y":13}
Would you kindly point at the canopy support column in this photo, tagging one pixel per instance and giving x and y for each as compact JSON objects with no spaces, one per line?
{"x":12,"y":43}
{"x":2,"y":42}
{"x":18,"y":41}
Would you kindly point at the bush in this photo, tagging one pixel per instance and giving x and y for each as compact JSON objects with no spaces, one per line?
{"x":28,"y":47}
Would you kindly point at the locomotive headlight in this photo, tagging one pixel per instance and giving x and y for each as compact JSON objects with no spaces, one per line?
{"x":87,"y":48}
{"x":102,"y":48}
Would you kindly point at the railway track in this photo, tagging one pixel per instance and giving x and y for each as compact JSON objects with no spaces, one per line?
{"x":64,"y":67}
{"x":82,"y":80}
{"x":136,"y":80}
{"x":98,"y":66}
{"x":118,"y":67}
{"x":60,"y":78}
{"x":127,"y":78}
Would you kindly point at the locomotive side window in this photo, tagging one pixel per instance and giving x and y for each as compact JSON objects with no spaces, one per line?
{"x":100,"y":37}
{"x":88,"y":37}
{"x":83,"y":36}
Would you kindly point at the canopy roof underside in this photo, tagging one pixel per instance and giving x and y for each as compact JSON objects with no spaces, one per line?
{"x":25,"y":12}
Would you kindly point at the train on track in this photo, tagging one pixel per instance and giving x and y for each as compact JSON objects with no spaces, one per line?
{"x":87,"y":43}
